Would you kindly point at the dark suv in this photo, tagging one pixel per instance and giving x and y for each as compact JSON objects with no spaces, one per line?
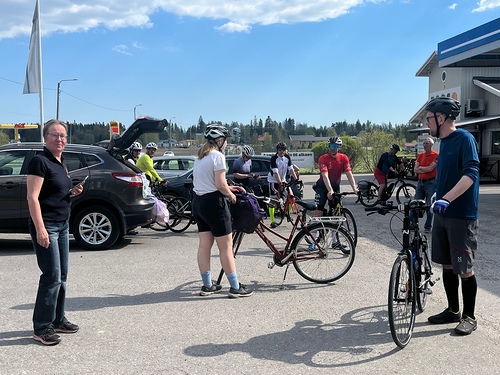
{"x":113,"y":201}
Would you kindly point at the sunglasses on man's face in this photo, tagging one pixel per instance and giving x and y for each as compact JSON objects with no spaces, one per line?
{"x":281,"y":149}
{"x":333,"y":145}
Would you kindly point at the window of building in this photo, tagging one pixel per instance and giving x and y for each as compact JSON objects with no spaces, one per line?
{"x":495,"y":143}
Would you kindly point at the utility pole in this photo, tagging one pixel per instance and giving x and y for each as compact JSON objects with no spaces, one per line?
{"x":59,"y":93}
{"x":135,"y":106}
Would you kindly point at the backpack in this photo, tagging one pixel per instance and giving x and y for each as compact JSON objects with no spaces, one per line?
{"x":246,"y":213}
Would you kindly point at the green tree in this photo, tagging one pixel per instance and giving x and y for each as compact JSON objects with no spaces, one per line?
{"x":4,"y":138}
{"x":373,"y":145}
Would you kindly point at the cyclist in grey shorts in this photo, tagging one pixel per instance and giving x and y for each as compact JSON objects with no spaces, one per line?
{"x":454,"y":231}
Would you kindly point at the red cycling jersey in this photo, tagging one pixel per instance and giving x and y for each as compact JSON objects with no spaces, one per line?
{"x":334,"y":166}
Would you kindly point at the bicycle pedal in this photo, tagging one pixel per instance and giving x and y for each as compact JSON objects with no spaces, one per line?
{"x":270,"y":265}
{"x":427,"y":291}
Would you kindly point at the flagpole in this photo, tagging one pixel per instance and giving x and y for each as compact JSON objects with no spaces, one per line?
{"x":40,"y":70}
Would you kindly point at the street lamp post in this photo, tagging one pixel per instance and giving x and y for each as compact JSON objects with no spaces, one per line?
{"x":170,"y":133}
{"x":135,"y":106}
{"x":59,"y":93}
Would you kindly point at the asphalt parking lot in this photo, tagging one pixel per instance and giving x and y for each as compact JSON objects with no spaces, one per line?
{"x":139,"y":310}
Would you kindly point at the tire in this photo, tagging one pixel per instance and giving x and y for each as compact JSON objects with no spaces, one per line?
{"x":278,"y":216}
{"x":173,"y":204}
{"x":424,"y":272}
{"x":371,"y":197}
{"x":181,"y":216}
{"x":350,"y":224}
{"x":401,"y":302}
{"x":96,"y":228}
{"x":160,"y":226}
{"x":405,"y":193}
{"x":323,"y":264}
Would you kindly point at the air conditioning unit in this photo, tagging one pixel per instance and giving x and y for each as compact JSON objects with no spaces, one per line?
{"x":475,"y":105}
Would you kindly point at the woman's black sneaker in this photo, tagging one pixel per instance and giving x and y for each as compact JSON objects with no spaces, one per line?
{"x":244,"y":291}
{"x":66,"y":327}
{"x":208,"y":291}
{"x":47,"y":337}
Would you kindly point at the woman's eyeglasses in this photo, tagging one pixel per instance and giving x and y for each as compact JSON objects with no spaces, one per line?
{"x":56,"y":136}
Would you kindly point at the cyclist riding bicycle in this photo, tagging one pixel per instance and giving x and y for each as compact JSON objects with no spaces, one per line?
{"x":387,"y":163}
{"x":331,"y":165}
{"x":145,"y":163}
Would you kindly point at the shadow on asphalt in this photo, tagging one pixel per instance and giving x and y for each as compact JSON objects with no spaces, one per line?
{"x":355,"y":339}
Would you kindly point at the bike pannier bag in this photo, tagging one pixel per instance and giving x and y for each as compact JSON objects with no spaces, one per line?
{"x":245,"y":213}
{"x":363,"y":186}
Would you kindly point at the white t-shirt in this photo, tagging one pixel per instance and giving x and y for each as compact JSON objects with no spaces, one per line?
{"x":204,"y":172}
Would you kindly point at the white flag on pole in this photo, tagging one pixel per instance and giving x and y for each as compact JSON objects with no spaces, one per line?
{"x":32,"y":81}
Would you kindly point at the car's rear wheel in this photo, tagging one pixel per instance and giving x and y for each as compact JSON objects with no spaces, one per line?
{"x":96,"y":228}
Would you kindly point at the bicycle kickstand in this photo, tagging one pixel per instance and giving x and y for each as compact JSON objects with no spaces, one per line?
{"x":284,"y":276}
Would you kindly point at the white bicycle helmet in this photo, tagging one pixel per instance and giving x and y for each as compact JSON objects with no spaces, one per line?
{"x":215,"y":131}
{"x":136,"y":146}
{"x":335,"y":140}
{"x":248,"y":151}
{"x":152,"y":145}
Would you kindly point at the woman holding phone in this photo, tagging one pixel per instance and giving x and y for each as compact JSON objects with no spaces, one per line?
{"x":49,"y":191}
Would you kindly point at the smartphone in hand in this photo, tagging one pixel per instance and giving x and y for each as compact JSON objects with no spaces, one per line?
{"x":81,"y":182}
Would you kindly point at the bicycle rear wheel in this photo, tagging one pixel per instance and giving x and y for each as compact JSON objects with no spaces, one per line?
{"x":181,"y":215}
{"x":405,"y":193}
{"x":330,"y":259}
{"x":278,"y":215}
{"x":401,"y":301}
{"x":160,"y":226}
{"x":350,"y":224}
{"x":371,"y":196}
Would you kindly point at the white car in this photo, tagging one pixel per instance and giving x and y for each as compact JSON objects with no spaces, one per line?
{"x":168,"y":153}
{"x":170,"y":166}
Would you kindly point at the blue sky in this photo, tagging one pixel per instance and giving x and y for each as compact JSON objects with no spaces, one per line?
{"x":229,"y":60}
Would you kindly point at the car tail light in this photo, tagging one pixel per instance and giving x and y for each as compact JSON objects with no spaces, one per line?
{"x":134,"y":180}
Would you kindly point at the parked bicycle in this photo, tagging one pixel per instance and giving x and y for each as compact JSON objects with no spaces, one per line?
{"x":321,"y":250}
{"x":287,"y":201}
{"x":368,"y":191}
{"x":182,"y":216}
{"x":411,"y":275}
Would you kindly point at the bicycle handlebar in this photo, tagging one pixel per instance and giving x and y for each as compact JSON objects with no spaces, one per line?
{"x":413,"y":205}
{"x":292,"y":182}
{"x":344,"y":193}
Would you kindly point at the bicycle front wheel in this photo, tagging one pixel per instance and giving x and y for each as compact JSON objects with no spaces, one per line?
{"x":181,"y":219}
{"x":329,"y":258}
{"x":401,"y":301}
{"x":405,"y":193}
{"x":423,"y":280}
{"x":350,"y":224}
{"x":371,"y":197}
